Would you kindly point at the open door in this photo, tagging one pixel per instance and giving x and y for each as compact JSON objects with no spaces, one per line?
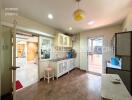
{"x":6,"y":63}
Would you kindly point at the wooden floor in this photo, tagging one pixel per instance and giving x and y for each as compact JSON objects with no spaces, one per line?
{"x":77,"y":85}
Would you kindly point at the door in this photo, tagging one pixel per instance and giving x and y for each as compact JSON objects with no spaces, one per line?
{"x":60,"y":40}
{"x":60,"y":63}
{"x":95,"y":54}
{"x":6,"y":62}
{"x":65,"y":41}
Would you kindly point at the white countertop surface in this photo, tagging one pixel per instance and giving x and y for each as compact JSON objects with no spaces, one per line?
{"x":113,"y":66}
{"x":111,"y":91}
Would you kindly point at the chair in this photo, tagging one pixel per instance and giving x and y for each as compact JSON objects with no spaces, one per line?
{"x":49,"y":73}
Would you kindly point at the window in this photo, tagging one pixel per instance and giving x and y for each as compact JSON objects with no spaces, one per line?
{"x":45,"y":48}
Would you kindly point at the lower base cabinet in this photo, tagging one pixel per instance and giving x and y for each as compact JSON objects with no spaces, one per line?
{"x":125,"y":76}
{"x":63,"y":66}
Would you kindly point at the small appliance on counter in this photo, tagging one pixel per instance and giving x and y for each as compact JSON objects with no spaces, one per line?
{"x":71,"y":54}
{"x":114,"y":62}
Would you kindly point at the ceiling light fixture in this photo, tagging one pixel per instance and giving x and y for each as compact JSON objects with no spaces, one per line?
{"x":91,"y":22}
{"x":50,"y":16}
{"x":78,"y":14}
{"x":70,"y":28}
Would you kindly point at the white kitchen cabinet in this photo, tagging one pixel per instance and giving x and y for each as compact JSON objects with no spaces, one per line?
{"x":71,"y":64}
{"x":62,"y":40}
{"x":63,"y":66}
{"x":59,"y":68}
{"x":123,"y":44}
{"x":65,"y":40}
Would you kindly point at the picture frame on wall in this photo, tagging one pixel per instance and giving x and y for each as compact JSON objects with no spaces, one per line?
{"x":45,"y":48}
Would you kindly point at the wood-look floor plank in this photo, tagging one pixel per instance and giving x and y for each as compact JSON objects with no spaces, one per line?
{"x":77,"y":85}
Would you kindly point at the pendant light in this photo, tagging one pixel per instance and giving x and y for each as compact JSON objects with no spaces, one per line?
{"x":78,"y":14}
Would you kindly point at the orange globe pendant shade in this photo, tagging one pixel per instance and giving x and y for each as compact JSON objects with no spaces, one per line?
{"x":78,"y":15}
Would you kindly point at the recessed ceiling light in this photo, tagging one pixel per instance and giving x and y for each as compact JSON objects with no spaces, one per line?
{"x":50,"y":16}
{"x":70,"y":28}
{"x":91,"y":22}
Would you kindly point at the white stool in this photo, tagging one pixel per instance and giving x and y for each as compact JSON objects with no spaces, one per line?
{"x":49,"y":73}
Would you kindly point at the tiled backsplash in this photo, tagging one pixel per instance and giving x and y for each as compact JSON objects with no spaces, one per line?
{"x":60,"y":52}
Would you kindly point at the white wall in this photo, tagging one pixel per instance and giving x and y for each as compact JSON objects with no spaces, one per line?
{"x":128,"y":22}
{"x":107,"y":33}
{"x":76,"y":47}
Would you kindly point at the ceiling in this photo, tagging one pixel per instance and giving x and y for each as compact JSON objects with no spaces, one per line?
{"x":102,"y":12}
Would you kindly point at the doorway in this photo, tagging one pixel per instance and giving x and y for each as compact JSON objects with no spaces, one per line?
{"x":95,"y":55}
{"x":26,"y":59}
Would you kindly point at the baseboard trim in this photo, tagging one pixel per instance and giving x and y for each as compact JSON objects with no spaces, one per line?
{"x":98,"y":74}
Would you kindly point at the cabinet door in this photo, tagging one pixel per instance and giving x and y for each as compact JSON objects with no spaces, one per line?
{"x":60,"y":65}
{"x":68,"y":65}
{"x":72,"y":65}
{"x":69,"y":42}
{"x":65,"y":41}
{"x":60,"y":40}
{"x":65,"y":66}
{"x":123,"y":42}
{"x":125,"y":76}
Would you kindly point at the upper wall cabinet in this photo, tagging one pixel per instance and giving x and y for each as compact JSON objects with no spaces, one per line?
{"x":123,"y":42}
{"x":62,"y":40}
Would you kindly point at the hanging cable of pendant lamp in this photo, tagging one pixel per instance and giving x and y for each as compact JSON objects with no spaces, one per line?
{"x":78,"y":14}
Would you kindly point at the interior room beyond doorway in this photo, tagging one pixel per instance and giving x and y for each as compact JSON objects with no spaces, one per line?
{"x":27,"y":59}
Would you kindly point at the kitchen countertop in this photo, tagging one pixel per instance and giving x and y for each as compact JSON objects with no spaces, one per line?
{"x":59,"y":59}
{"x":113,"y":91}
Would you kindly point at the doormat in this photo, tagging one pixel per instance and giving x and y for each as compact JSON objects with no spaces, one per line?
{"x":18,"y":85}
